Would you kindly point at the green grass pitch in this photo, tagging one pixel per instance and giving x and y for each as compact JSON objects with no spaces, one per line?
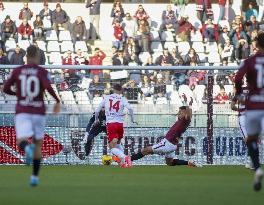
{"x":92,"y":185}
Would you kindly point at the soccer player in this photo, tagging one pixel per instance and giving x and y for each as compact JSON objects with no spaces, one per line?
{"x":253,"y":69}
{"x":30,"y":83}
{"x":114,"y":105}
{"x":168,"y":145}
{"x":239,"y":106}
{"x":92,"y":130}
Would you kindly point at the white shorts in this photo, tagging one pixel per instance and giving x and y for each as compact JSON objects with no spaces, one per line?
{"x":242,"y":125}
{"x":254,"y":121}
{"x":30,"y":125}
{"x":164,"y":147}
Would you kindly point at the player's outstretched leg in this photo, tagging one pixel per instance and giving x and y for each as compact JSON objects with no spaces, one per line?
{"x":34,"y":180}
{"x":178,"y":162}
{"x":142,"y":153}
{"x":254,"y":155}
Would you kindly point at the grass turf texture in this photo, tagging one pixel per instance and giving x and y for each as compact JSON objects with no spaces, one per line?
{"x":109,"y":185}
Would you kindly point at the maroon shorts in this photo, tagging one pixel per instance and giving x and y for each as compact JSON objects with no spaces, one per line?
{"x":114,"y":130}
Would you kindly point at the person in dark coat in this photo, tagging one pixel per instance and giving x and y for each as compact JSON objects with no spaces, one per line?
{"x":17,"y":56}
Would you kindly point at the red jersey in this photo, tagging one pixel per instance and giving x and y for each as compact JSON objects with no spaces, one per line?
{"x":30,"y":81}
{"x":241,"y":106}
{"x":253,"y":68}
{"x":177,"y":130}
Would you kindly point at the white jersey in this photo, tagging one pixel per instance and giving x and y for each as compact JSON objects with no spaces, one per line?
{"x":114,"y":105}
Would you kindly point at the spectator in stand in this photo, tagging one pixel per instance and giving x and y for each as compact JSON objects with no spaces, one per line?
{"x":114,"y":52}
{"x":161,"y":99}
{"x":3,"y":58}
{"x":17,"y":58}
{"x":70,"y":75}
{"x":160,"y":86}
{"x":185,"y":28}
{"x":46,"y":15}
{"x":191,"y":56}
{"x":95,"y":85}
{"x":119,"y":35}
{"x":222,"y":97}
{"x":25,"y":13}
{"x":38,"y":28}
{"x":240,"y":42}
{"x":169,"y":19}
{"x":204,"y":10}
{"x":120,"y":59}
{"x":8,"y":29}
{"x":42,"y":58}
{"x":131,"y":91}
{"x":194,"y":76}
{"x":222,"y":4}
{"x":239,"y":22}
{"x":25,"y":31}
{"x":228,"y":51}
{"x":78,"y":30}
{"x":97,"y":59}
{"x":130,"y":47}
{"x":261,"y":10}
{"x":143,"y":36}
{"x":165,"y":59}
{"x":59,"y":19}
{"x":179,"y":76}
{"x":146,"y":88}
{"x":130,"y":26}
{"x":251,"y":12}
{"x":224,"y":35}
{"x":3,"y":13}
{"x":252,"y":25}
{"x":94,"y":7}
{"x":209,"y":31}
{"x":80,"y":58}
{"x":117,"y":11}
{"x":180,"y":7}
{"x":141,"y":14}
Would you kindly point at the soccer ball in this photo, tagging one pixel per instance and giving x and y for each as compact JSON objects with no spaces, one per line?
{"x":106,"y":160}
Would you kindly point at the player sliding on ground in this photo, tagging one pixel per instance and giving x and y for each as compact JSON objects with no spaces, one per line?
{"x":168,"y":145}
{"x":114,"y":105}
{"x":253,"y":69}
{"x":31,"y":81}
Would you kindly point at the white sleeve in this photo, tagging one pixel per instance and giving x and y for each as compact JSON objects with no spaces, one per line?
{"x":99,"y":108}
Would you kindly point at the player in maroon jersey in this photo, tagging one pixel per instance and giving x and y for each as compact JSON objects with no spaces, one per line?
{"x":168,"y":145}
{"x":239,"y":106}
{"x":253,"y":69}
{"x":30,"y":82}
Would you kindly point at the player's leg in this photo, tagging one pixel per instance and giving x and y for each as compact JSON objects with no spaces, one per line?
{"x":93,"y":132}
{"x":175,"y":162}
{"x":253,"y":125}
{"x":145,"y":151}
{"x":242,"y":126}
{"x":24,"y":130}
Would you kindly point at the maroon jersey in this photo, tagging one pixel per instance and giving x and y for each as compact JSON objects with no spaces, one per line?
{"x":177,"y":130}
{"x":241,"y":106}
{"x":253,"y":68}
{"x":30,"y":81}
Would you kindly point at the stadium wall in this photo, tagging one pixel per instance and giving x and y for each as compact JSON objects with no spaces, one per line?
{"x":77,"y":9}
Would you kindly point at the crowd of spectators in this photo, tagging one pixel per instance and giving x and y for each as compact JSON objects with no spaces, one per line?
{"x":131,"y":45}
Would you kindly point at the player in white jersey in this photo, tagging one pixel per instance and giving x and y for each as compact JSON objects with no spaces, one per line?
{"x":114,"y":105}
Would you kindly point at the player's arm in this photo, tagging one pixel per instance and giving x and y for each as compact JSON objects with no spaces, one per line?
{"x":239,"y":77}
{"x":98,"y":109}
{"x":130,"y":111}
{"x":8,"y":85}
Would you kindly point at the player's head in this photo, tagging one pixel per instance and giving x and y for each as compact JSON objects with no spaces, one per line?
{"x":260,"y":41}
{"x":184,"y":112}
{"x":32,"y":55}
{"x":117,"y":88}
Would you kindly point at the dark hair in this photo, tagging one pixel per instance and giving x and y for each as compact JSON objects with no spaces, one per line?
{"x":183,"y":108}
{"x":117,"y":87}
{"x":32,"y":51}
{"x":260,"y":40}
{"x":96,"y":49}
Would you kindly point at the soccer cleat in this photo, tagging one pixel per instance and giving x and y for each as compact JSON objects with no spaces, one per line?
{"x":34,"y":181}
{"x":128,"y":161}
{"x":116,"y":159}
{"x":29,"y":150}
{"x":192,"y":163}
{"x":257,"y":179}
{"x":249,"y":165}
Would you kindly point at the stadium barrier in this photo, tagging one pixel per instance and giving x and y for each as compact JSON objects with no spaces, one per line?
{"x":212,"y":138}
